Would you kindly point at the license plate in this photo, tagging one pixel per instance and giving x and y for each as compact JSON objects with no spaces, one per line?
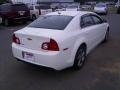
{"x":28,"y":56}
{"x":21,"y":13}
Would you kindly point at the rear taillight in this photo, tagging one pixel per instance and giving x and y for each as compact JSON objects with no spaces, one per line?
{"x":52,"y":45}
{"x":12,"y":14}
{"x":15,"y":39}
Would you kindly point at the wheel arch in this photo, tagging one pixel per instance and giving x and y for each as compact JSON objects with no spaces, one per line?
{"x":108,"y":28}
{"x":76,"y":47}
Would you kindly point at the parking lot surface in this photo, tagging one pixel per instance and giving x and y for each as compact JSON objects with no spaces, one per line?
{"x":101,"y":71}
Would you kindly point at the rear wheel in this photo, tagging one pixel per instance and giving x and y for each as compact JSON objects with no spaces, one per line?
{"x":34,"y":17}
{"x":106,"y":36}
{"x":118,"y":11}
{"x":24,"y":21}
{"x":80,"y":57}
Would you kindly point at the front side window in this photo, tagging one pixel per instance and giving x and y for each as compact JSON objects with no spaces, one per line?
{"x":58,"y":22}
{"x":86,"y":21}
{"x":96,"y":19}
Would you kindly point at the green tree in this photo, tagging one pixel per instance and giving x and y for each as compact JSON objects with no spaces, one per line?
{"x":4,"y":1}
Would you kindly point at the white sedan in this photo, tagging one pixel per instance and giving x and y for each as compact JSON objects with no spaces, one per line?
{"x":101,"y":9}
{"x":60,"y":39}
{"x":73,"y":8}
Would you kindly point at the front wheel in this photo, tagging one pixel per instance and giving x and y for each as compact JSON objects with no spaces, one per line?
{"x":6,"y":22}
{"x":80,"y":58}
{"x":106,"y":12}
{"x":34,"y":17}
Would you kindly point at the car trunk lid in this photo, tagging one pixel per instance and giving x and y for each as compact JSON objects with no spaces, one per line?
{"x":33,"y":38}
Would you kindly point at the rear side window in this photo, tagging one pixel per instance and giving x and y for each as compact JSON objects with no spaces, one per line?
{"x":96,"y":19}
{"x":86,"y":21}
{"x":20,"y":7}
{"x":31,"y":7}
{"x":58,"y":22}
{"x":37,"y":7}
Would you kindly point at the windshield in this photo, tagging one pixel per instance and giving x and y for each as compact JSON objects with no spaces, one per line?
{"x":100,"y":5}
{"x":58,"y":22}
{"x":72,"y":6}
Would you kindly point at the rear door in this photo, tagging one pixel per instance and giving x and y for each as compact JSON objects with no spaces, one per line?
{"x":100,"y":27}
{"x":89,"y":31}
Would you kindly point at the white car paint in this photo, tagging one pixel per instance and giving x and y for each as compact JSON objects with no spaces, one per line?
{"x":102,"y":9}
{"x":68,"y":40}
{"x":37,"y":12}
{"x":86,"y":7}
{"x":73,"y":8}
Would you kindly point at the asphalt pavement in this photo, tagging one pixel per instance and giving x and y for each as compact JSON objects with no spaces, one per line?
{"x":101,"y":71}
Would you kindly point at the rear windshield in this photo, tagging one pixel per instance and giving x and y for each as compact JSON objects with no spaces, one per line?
{"x":58,"y":22}
{"x":20,"y":7}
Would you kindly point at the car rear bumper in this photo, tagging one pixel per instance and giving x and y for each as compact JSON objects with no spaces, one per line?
{"x":28,"y":17}
{"x":20,"y":18}
{"x":56,"y":59}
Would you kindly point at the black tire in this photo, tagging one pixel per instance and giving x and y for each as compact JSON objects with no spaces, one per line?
{"x":106,"y":36}
{"x":24,"y":21}
{"x":106,"y":13}
{"x":34,"y":17}
{"x":6,"y":22}
{"x":80,"y":58}
{"x":118,"y":11}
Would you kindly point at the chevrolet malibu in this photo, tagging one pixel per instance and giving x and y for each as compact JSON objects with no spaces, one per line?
{"x":60,"y":39}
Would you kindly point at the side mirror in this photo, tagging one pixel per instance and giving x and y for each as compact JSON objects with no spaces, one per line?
{"x":104,"y":21}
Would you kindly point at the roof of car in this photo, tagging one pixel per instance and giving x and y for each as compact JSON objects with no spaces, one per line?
{"x":69,"y":13}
